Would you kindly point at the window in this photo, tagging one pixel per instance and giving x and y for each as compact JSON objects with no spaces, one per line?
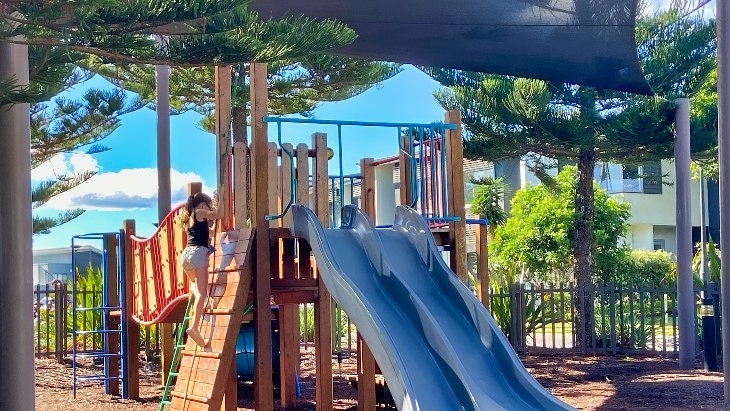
{"x":659,"y":244}
{"x":652,"y":176}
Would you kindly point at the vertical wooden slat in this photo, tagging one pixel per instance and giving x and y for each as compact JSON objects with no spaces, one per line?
{"x":240,"y":195}
{"x":304,"y":266}
{"x":286,"y":182}
{"x":321,"y":180}
{"x":274,"y":189}
{"x":482,"y":263}
{"x":262,"y":310}
{"x":455,"y":165}
{"x":365,"y":359}
{"x":132,"y":338}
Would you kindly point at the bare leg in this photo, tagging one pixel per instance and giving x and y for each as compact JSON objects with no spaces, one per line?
{"x":199,"y":289}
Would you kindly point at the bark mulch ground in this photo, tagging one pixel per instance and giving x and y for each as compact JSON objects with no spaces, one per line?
{"x":587,"y":383}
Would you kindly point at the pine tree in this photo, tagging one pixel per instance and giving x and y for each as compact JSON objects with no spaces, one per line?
{"x":295,"y":86}
{"x":61,"y":35}
{"x":509,"y":117}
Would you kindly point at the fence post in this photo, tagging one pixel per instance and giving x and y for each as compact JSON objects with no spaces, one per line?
{"x":517,"y":317}
{"x":59,"y":297}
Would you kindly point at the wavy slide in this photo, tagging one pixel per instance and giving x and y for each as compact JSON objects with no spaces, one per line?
{"x":438,"y":347}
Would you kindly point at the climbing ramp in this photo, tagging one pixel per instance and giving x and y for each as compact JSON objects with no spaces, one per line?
{"x":202,"y":373}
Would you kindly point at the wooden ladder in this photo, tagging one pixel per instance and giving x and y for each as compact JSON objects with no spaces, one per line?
{"x":203,"y":372}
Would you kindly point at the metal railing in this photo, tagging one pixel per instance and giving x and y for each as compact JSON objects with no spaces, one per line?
{"x":52,"y":323}
{"x":636,"y":319}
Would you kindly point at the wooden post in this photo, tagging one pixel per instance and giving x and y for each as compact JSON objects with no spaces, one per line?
{"x":264,"y":390}
{"x":132,"y":338}
{"x":222,"y":78}
{"x":59,"y":296}
{"x":365,"y":359}
{"x":455,"y":165}
{"x":288,"y":313}
{"x":323,"y":306}
{"x":482,"y":265}
{"x":111,"y":339}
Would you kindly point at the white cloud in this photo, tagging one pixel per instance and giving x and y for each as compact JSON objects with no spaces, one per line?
{"x":128,"y":189}
{"x":63,"y":164}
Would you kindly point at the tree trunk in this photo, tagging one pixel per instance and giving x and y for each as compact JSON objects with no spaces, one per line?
{"x":240,"y":133}
{"x":582,"y":244}
{"x":239,"y":125}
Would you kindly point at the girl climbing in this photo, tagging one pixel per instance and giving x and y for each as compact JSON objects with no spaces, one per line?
{"x":200,"y":216}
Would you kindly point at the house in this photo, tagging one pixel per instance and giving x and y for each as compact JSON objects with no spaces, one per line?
{"x":52,"y":264}
{"x":648,"y":187}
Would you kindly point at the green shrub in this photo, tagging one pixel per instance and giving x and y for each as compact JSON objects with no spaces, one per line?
{"x":639,"y":267}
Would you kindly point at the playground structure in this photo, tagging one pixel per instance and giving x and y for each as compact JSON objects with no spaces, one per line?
{"x":272,"y":261}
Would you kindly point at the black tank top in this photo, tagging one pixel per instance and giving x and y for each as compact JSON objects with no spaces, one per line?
{"x":198,"y":233}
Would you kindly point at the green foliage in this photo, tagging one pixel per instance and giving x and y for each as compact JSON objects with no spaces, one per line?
{"x":199,"y":32}
{"x":88,"y":295}
{"x":295,"y":86}
{"x":538,"y":309}
{"x":306,"y":322}
{"x":624,"y":325}
{"x":634,"y":267}
{"x":537,"y":236}
{"x":488,"y":192}
{"x":714,"y":263}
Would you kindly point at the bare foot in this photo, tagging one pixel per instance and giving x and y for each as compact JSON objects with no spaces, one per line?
{"x":195,"y":335}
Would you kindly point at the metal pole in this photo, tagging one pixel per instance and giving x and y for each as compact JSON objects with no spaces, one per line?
{"x":685,"y":288}
{"x":723,"y":133}
{"x":16,"y":245}
{"x":703,"y":235}
{"x":162,"y":84}
{"x":707,"y":311}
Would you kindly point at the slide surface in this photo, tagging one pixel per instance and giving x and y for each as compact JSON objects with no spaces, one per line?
{"x":438,"y":347}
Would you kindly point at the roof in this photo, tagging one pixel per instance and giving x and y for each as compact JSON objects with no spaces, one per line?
{"x":66,"y":250}
{"x":581,"y":42}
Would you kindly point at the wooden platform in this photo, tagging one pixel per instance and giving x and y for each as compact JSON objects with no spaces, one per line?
{"x":203,"y":373}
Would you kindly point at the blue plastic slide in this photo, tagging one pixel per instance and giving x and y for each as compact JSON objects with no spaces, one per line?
{"x":438,"y":347}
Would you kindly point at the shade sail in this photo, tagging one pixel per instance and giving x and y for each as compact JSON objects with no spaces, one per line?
{"x":589,"y":42}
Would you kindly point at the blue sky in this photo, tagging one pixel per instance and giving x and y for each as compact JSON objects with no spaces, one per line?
{"x":125,"y":186}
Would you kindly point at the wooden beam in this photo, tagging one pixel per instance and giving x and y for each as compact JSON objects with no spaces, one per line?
{"x":111,"y":340}
{"x":323,"y":307}
{"x":132,"y":337}
{"x":222,"y":79}
{"x":482,"y":265}
{"x":455,"y":165}
{"x":365,"y":359}
{"x":289,"y":357}
{"x":264,"y":390}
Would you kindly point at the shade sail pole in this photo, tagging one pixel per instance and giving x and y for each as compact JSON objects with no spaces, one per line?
{"x":16,"y":245}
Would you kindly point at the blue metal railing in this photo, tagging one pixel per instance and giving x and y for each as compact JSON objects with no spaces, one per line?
{"x":425,"y":151}
{"x":103,"y":312}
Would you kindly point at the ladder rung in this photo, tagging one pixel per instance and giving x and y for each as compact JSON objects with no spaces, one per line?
{"x":219,"y":311}
{"x":179,"y":346}
{"x":202,"y":354}
{"x":196,"y":398}
{"x":173,"y":374}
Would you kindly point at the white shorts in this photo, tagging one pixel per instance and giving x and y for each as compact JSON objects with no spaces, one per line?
{"x":194,"y":256}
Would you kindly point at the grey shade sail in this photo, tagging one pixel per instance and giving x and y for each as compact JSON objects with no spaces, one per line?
{"x":588,"y":42}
